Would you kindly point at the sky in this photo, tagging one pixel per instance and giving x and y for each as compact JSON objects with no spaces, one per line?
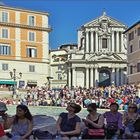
{"x":67,"y":16}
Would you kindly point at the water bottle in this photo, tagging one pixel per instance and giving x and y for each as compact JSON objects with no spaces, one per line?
{"x":58,"y":136}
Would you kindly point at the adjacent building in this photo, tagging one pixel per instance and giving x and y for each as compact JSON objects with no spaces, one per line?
{"x":133,"y":53}
{"x":24,"y":46}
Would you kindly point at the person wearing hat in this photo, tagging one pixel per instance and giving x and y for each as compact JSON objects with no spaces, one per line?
{"x":3,"y":116}
{"x":68,"y":124}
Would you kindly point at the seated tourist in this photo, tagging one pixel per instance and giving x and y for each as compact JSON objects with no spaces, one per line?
{"x":21,"y":124}
{"x":129,"y":119}
{"x":95,"y":124}
{"x":113,"y":122}
{"x":68,"y":124}
{"x":3,"y":116}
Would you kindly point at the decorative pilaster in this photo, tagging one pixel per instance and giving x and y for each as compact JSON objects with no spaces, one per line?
{"x":91,"y":77}
{"x":112,"y":43}
{"x":73,"y":76}
{"x":117,"y":77}
{"x":87,"y":42}
{"x":92,"y":43}
{"x":69,"y":76}
{"x":113,"y":76}
{"x":117,"y":41}
{"x":96,"y":42}
{"x":96,"y":77}
{"x":87,"y":77}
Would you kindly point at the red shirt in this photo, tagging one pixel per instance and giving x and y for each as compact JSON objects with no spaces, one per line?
{"x":2,"y":133}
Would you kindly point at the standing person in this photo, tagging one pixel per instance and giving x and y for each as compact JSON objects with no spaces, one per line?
{"x":113,"y":122}
{"x":68,"y":124}
{"x":3,"y":116}
{"x":95,"y":123}
{"x":21,"y":124}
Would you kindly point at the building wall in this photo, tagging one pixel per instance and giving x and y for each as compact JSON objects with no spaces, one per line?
{"x":18,"y":39}
{"x":133,"y":51}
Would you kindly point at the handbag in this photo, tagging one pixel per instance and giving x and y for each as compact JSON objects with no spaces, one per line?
{"x":96,"y":132}
{"x":137,"y":125}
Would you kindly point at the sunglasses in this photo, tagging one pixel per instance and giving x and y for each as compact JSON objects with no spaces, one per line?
{"x":89,"y":110}
{"x":132,"y":107}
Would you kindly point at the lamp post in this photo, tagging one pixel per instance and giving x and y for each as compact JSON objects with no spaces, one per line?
{"x":15,"y":77}
{"x":49,"y":82}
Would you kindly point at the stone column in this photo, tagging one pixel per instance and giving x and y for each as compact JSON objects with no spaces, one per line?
{"x":87,"y":42}
{"x":69,"y":75}
{"x":92,"y":43}
{"x":91,"y":77}
{"x":96,"y":42}
{"x":122,"y":77}
{"x":74,"y":77}
{"x":87,"y":77}
{"x":112,"y":43}
{"x":122,"y":46}
{"x":96,"y":77}
{"x":117,"y":77}
{"x":113,"y":76}
{"x":117,"y":41}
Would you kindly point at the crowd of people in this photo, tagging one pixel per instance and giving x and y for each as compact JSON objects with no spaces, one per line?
{"x":102,"y":96}
{"x":109,"y":125}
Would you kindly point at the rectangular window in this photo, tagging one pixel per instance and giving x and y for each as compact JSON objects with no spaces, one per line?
{"x":31,"y":36}
{"x":31,"y":68}
{"x":4,"y":33}
{"x":5,"y":49}
{"x":4,"y":67}
{"x":31,"y":20}
{"x":131,"y":69}
{"x":131,"y":49}
{"x":139,"y":31}
{"x":59,"y":76}
{"x":104,"y":43}
{"x":31,"y":52}
{"x":4,"y":16}
{"x":131,"y":36}
{"x":138,"y":67}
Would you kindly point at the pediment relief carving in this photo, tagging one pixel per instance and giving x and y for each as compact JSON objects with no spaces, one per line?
{"x":104,"y":57}
{"x":110,"y":21}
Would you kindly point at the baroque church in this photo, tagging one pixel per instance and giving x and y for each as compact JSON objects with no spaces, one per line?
{"x":101,"y":55}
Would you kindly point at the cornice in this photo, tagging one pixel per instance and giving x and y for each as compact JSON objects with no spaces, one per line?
{"x":25,"y":26}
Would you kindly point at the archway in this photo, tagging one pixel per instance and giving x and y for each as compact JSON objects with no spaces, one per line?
{"x":104,"y":78}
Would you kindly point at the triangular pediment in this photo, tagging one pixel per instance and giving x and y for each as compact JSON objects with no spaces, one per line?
{"x":111,"y":22}
{"x":105,"y":57}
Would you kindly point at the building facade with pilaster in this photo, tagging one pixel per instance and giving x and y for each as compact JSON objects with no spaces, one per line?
{"x":101,"y":57}
{"x":24,"y":46}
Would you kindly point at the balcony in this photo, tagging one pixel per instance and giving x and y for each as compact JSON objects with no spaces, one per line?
{"x":25,"y":26}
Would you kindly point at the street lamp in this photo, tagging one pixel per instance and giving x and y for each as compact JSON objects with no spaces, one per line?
{"x":15,"y":77}
{"x":49,"y":82}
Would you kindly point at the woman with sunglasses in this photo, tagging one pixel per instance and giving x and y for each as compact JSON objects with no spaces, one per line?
{"x":68,"y":124}
{"x":129,"y":118}
{"x":94,"y":122}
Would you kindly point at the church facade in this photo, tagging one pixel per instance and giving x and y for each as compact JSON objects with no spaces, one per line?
{"x":101,"y":56}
